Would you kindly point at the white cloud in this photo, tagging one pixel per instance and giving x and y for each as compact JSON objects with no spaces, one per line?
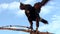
{"x":3,"y":6}
{"x":20,"y":13}
{"x":29,"y":1}
{"x":47,"y":9}
{"x":54,"y":26}
{"x":56,"y":17}
{"x":13,"y":5}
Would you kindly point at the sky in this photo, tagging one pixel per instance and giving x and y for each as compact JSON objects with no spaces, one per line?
{"x":10,"y":14}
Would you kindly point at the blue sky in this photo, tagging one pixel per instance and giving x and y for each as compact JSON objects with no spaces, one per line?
{"x":10,"y":14}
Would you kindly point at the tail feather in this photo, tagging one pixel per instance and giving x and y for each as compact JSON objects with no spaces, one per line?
{"x":44,"y":21}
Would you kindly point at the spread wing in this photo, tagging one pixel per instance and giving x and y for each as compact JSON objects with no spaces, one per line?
{"x":40,"y":4}
{"x":44,"y":2}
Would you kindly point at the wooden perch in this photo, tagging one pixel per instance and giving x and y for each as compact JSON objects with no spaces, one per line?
{"x":24,"y":30}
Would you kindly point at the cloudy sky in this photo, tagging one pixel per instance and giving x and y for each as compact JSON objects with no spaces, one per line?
{"x":10,"y":14}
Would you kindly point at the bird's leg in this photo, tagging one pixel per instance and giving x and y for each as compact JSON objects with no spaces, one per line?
{"x":31,"y":26}
{"x":37,"y":25}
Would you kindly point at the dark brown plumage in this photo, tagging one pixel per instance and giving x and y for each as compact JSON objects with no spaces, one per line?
{"x":32,"y":12}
